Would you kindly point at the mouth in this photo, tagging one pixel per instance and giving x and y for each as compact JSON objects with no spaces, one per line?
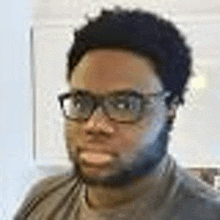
{"x":96,"y":159}
{"x":94,"y":162}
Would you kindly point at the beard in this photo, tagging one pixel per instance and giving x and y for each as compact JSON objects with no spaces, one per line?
{"x":142,"y":165}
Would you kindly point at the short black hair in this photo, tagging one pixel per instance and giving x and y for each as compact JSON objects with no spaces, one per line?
{"x":145,"y":34}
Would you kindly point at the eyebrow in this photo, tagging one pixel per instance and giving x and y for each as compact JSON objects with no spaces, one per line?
{"x":74,"y":89}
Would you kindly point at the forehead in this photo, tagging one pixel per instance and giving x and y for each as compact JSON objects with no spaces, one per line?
{"x":110,"y":69}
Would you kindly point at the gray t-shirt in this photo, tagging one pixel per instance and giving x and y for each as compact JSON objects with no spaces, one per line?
{"x":132,"y":211}
{"x":175,"y":196}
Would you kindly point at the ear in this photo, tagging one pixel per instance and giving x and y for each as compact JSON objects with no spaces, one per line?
{"x":171,"y":111}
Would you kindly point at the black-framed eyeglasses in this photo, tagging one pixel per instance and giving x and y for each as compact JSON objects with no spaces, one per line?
{"x":122,"y":106}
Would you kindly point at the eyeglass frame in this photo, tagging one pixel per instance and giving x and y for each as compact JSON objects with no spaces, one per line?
{"x":98,"y":100}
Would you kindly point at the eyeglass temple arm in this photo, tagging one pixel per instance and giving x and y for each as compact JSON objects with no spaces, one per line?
{"x":62,"y":97}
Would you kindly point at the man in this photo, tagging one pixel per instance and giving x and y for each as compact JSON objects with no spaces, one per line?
{"x":127,"y":73}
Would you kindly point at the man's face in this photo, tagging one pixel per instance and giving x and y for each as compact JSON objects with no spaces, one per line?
{"x":105,"y":151}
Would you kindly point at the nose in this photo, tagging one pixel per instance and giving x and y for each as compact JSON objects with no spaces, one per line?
{"x":99,"y":123}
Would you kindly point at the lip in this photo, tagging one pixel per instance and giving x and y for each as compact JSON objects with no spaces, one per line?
{"x":95,"y":158}
{"x":92,"y":169}
{"x":96,"y":148}
{"x":95,"y":166}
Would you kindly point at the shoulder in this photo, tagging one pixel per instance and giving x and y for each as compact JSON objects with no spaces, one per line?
{"x":197,"y":208}
{"x":46,"y":184}
{"x":195,"y":199}
{"x":42,"y":190}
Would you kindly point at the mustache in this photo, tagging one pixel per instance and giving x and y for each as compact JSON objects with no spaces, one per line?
{"x":80,"y":149}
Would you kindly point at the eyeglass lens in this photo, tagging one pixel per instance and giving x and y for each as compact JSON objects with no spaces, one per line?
{"x":121,"y":107}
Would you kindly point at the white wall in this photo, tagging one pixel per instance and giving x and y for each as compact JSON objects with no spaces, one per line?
{"x":15,"y":103}
{"x":17,"y":168}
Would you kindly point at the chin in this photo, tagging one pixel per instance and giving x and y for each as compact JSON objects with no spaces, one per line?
{"x":103,"y":178}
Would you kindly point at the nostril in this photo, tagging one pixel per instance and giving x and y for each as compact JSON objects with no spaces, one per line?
{"x":94,"y":134}
{"x":89,"y":132}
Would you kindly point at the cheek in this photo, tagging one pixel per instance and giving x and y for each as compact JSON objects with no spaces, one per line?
{"x":144,"y":133}
{"x":72,"y":133}
{"x":132,"y":137}
{"x":153,"y":127}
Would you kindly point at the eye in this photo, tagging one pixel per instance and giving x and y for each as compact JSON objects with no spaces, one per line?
{"x":77,"y":101}
{"x":80,"y":102}
{"x":122,"y":103}
{"x":77,"y":104}
{"x":129,"y":103}
{"x":122,"y":106}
